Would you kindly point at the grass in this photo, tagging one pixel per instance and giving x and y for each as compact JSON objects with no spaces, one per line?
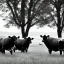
{"x":36,"y":55}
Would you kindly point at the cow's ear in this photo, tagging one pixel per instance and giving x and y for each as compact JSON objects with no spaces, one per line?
{"x":32,"y":38}
{"x":18,"y":37}
{"x":30,"y":42}
{"x":42,"y":40}
{"x":48,"y":36}
{"x":41,"y":36}
{"x":25,"y":38}
{"x":9,"y":36}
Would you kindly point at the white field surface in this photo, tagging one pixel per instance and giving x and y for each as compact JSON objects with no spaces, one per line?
{"x":37,"y":54}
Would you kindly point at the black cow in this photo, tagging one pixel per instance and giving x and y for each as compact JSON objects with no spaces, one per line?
{"x":7,"y":43}
{"x":51,"y":43}
{"x":23,"y":44}
{"x":61,"y":45}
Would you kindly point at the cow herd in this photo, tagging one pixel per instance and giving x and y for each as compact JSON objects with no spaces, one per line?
{"x":13,"y":43}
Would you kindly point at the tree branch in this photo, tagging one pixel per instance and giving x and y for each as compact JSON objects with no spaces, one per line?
{"x":18,"y":20}
{"x":10,"y":7}
{"x":29,"y":12}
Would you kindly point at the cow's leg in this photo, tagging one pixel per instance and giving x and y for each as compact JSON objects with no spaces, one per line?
{"x":14,"y":50}
{"x":26,"y":50}
{"x":11,"y":52}
{"x":60,"y":52}
{"x":22,"y":49}
{"x":50,"y":51}
{"x":3,"y":50}
{"x":0,"y":50}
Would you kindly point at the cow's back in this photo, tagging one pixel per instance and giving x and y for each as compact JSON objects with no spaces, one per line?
{"x":53,"y":43}
{"x":7,"y":43}
{"x":53,"y":40}
{"x":20,"y":41}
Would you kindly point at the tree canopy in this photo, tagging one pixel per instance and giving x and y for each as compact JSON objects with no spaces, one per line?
{"x":26,"y":13}
{"x":59,"y":14}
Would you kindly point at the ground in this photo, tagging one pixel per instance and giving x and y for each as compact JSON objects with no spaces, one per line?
{"x":37,"y":54}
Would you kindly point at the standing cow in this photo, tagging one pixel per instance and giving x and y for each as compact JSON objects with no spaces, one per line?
{"x":61,"y":45}
{"x":7,"y":43}
{"x":23,"y":44}
{"x":51,"y":43}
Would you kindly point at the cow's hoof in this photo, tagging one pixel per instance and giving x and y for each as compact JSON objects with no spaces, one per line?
{"x":11,"y":52}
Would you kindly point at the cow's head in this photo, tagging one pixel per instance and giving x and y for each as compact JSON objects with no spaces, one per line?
{"x":29,"y":40}
{"x":44,"y":37}
{"x":14,"y":38}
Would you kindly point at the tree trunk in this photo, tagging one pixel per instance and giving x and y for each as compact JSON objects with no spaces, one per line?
{"x":23,"y":17}
{"x":27,"y":30}
{"x":24,"y":33}
{"x":59,"y":32}
{"x":59,"y":26}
